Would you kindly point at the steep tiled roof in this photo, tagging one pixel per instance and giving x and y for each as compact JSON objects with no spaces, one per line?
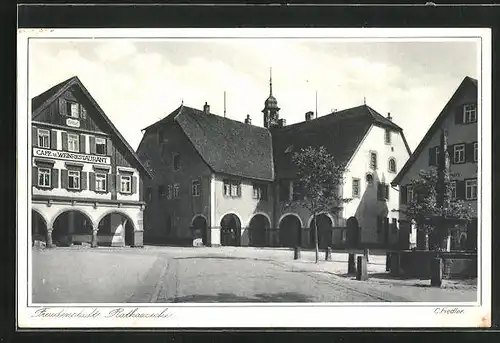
{"x":40,"y":102}
{"x":228,"y":146}
{"x":340,"y":133}
{"x":435,"y":126}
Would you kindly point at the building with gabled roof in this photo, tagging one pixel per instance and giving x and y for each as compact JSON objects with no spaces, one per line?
{"x":223,"y":182}
{"x":459,"y":118}
{"x":87,"y":181}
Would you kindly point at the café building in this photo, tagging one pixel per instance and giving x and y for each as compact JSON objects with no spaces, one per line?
{"x":87,"y":182}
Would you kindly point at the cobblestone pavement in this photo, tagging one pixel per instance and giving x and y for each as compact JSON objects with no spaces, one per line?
{"x":226,"y":274}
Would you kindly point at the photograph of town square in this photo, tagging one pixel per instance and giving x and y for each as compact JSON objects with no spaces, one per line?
{"x":254,"y":170}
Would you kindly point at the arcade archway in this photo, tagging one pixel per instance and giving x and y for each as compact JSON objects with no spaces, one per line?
{"x":38,"y":227}
{"x":230,"y":230}
{"x":353,"y":234}
{"x":258,"y":226}
{"x":72,"y":227}
{"x":290,"y":231}
{"x":115,"y":229}
{"x":325,"y":232}
{"x":201,"y":228}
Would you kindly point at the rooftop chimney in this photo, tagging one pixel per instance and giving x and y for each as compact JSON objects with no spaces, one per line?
{"x":389,"y":116}
{"x":248,"y":120}
{"x":309,"y":115}
{"x":206,"y":108}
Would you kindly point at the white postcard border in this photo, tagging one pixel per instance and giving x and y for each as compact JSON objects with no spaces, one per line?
{"x":254,"y":315}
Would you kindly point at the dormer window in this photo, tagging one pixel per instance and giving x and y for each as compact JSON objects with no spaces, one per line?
{"x":470,"y":113}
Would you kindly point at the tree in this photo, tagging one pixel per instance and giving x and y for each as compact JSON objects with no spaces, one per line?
{"x":319,"y":179}
{"x":431,"y":206}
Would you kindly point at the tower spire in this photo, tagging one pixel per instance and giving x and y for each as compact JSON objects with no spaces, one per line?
{"x":271,"y":81}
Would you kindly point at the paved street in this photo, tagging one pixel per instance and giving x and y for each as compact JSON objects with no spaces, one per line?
{"x":226,"y":274}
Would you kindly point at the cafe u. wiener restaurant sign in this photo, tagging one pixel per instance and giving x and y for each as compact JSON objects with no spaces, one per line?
{"x":71,"y":156}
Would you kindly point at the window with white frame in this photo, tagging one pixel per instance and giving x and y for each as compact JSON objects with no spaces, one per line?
{"x":73,"y":109}
{"x":176,"y":190}
{"x":73,"y":179}
{"x":356,"y":185}
{"x":73,"y":142}
{"x":373,"y":160}
{"x":100,"y":146}
{"x":100,"y":182}
{"x":471,"y":189}
{"x":470,"y":114}
{"x":475,"y":152}
{"x":453,"y":190}
{"x":43,"y":138}
{"x":232,"y":188}
{"x":259,"y":191}
{"x":43,"y":177}
{"x":392,"y":165}
{"x":126,"y":184}
{"x":195,"y":188}
{"x":459,"y":153}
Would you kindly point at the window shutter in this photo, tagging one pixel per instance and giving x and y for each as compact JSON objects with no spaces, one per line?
{"x":379,"y":191}
{"x":62,"y":107}
{"x":469,"y":152}
{"x":111,"y":181}
{"x":53,"y":139}
{"x":450,"y":152}
{"x":92,"y":181}
{"x":118,"y":183}
{"x":82,"y":143}
{"x":64,"y":138}
{"x":108,"y":178}
{"x":404,"y":194}
{"x":55,"y":178}
{"x":83,"y":112}
{"x":459,"y":115}
{"x":83,"y":181}
{"x":134,"y":184}
{"x":64,"y":178}
{"x":460,"y":190}
{"x":34,"y":176}
{"x":239,"y":189}
{"x":34,"y":136}
{"x":92,"y":144}
{"x":432,"y":156}
{"x":109,"y":147}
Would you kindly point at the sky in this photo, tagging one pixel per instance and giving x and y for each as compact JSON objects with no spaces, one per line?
{"x":138,"y":82}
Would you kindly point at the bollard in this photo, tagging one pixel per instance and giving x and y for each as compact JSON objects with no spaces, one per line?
{"x":436,"y":272}
{"x":296,"y":253}
{"x":351,"y":264}
{"x":361,"y":271}
{"x":387,"y":261}
{"x":328,"y":254}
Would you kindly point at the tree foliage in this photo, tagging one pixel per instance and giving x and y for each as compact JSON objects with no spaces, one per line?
{"x":424,"y":203}
{"x":320,"y":179}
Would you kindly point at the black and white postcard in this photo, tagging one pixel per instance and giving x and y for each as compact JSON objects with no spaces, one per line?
{"x":254,"y":178}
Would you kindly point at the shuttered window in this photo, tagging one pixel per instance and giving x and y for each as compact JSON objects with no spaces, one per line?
{"x":73,"y":179}
{"x":100,"y":182}
{"x":100,"y":146}
{"x":176,"y":190}
{"x":453,"y":190}
{"x":43,"y":138}
{"x":125,"y":183}
{"x":73,"y":142}
{"x":459,"y":153}
{"x":471,"y":189}
{"x":475,"y":153}
{"x":44,"y":176}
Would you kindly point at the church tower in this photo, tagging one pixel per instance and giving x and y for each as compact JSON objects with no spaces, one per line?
{"x":271,"y":109}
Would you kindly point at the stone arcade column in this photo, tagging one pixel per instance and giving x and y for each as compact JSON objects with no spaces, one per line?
{"x":95,"y":229}
{"x":49,"y":238}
